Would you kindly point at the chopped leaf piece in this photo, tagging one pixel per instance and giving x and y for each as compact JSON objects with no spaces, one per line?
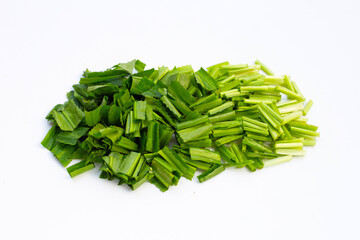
{"x":205,"y":80}
{"x":63,"y":153}
{"x":153,"y":138}
{"x":139,"y":110}
{"x":254,"y":144}
{"x":172,"y":158}
{"x":205,"y":155}
{"x":79,"y":168}
{"x":307,"y":107}
{"x":192,"y":123}
{"x":71,"y":138}
{"x":125,"y":118}
{"x":177,"y":90}
{"x":270,"y":162}
{"x":127,"y":144}
{"x":221,"y":108}
{"x":50,"y":138}
{"x":170,"y":107}
{"x":212,"y":172}
{"x":129,"y":163}
{"x":191,"y":134}
{"x":69,"y":117}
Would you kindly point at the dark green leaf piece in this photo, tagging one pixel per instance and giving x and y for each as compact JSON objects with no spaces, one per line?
{"x":212,"y":172}
{"x":79,"y":168}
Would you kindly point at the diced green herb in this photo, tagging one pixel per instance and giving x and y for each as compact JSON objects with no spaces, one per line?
{"x":123,"y":119}
{"x":212,"y":172}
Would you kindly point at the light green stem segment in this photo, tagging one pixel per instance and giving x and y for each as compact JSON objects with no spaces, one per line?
{"x":264,"y":68}
{"x":274,"y":161}
{"x":307,"y":107}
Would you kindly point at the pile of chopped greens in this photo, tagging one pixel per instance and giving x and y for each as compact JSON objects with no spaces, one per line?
{"x":123,"y":119}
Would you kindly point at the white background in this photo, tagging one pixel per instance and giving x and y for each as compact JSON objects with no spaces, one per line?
{"x":45,"y":46}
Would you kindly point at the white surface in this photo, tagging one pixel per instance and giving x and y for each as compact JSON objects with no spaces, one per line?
{"x":45,"y":46}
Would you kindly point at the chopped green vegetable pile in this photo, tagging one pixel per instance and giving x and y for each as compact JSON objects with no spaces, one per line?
{"x":226,"y":116}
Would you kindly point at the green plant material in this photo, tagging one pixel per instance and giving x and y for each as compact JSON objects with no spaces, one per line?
{"x":274,"y":161}
{"x":297,"y":90}
{"x":307,"y":107}
{"x":79,"y":168}
{"x":162,"y":111}
{"x":304,"y":131}
{"x":142,"y":177}
{"x":239,"y":155}
{"x":165,"y":174}
{"x":139,"y":110}
{"x":258,"y":137}
{"x":50,"y":139}
{"x":277,"y":80}
{"x":227,"y":132}
{"x":63,"y":153}
{"x":293,"y":152}
{"x":274,"y":123}
{"x":289,"y":93}
{"x":112,"y":132}
{"x":227,"y":124}
{"x":179,"y":92}
{"x":181,"y":106}
{"x":117,"y":79}
{"x":227,"y":139}
{"x":289,"y":145}
{"x":309,"y":142}
{"x":226,"y":154}
{"x":68,"y":116}
{"x":221,"y":108}
{"x":291,"y":108}
{"x":264,"y":68}
{"x":205,"y":155}
{"x":196,"y":164}
{"x":202,"y":108}
{"x":113,"y":161}
{"x":71,"y":138}
{"x":212,"y":172}
{"x":129,"y":164}
{"x":153,"y":138}
{"x":205,"y":80}
{"x":172,"y":158}
{"x":274,"y":113}
{"x":192,"y":123}
{"x":291,"y":117}
{"x":165,"y":135}
{"x":193,"y":133}
{"x":303,"y":125}
{"x":126,"y":143}
{"x":203,"y":100}
{"x":123,"y":119}
{"x":223,"y":117}
{"x":93,"y":117}
{"x":170,"y":107}
{"x":254,"y":144}
{"x":199,"y":144}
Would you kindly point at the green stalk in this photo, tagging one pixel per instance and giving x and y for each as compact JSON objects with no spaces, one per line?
{"x":307,"y":107}
{"x":212,"y":172}
{"x":226,"y":132}
{"x":227,"y":139}
{"x":293,"y":152}
{"x":264,"y":68}
{"x":223,"y":117}
{"x":205,"y":155}
{"x":221,"y":108}
{"x":292,"y":116}
{"x":274,"y":161}
{"x":254,"y":144}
